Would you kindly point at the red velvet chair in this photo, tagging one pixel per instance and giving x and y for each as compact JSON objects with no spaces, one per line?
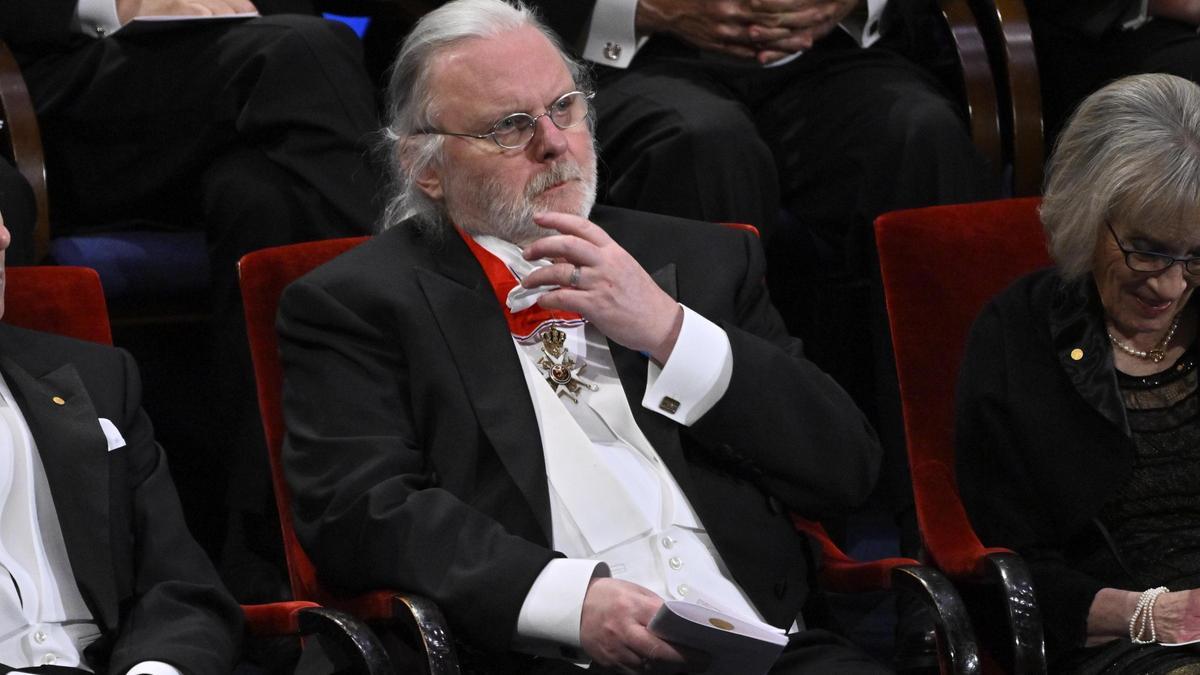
{"x":263,"y":276}
{"x":957,"y":649}
{"x":70,"y":301}
{"x":939,"y":266}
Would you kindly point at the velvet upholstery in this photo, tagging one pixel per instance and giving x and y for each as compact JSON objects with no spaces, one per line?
{"x":64,"y":300}
{"x":141,"y":266}
{"x":263,"y":275}
{"x":939,"y":265}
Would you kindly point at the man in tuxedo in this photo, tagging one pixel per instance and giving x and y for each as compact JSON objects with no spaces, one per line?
{"x":728,"y":110}
{"x":547,"y":417}
{"x":256,"y":131}
{"x":101,"y":573}
{"x":1083,"y":46}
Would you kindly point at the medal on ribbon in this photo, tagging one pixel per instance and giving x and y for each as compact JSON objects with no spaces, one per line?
{"x":563,"y":372}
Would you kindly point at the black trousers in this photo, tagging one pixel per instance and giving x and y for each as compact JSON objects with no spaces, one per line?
{"x":809,"y":652}
{"x":836,"y":137}
{"x":1073,"y":65}
{"x":257,"y":132}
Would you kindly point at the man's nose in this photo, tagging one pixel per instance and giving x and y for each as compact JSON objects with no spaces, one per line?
{"x":549,"y":142}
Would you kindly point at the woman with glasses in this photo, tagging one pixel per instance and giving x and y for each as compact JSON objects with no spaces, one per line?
{"x":1078,"y":430}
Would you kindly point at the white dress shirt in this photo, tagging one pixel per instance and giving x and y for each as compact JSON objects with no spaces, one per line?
{"x":615,"y":508}
{"x":96,"y":18}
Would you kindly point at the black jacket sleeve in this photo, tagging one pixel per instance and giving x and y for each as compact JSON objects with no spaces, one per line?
{"x":997,"y":462}
{"x":178,"y":612}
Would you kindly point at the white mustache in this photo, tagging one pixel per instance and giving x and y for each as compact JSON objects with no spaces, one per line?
{"x":560,"y":173}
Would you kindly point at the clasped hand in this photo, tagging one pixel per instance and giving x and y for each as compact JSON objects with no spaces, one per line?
{"x":611,"y":290}
{"x":764,"y":30}
{"x":127,"y":9}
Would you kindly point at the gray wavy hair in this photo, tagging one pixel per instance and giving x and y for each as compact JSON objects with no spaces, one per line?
{"x":410,"y":106}
{"x":1130,"y":153}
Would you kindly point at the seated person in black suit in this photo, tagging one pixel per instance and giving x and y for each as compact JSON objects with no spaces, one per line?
{"x":101,"y":574}
{"x":724,"y":111}
{"x":256,"y":131}
{"x":550,"y":417}
{"x":1082,"y":46}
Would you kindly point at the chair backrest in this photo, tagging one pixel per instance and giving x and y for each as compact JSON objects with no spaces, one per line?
{"x":263,"y":276}
{"x":978,"y":83}
{"x":64,"y":300}
{"x":1004,"y":25}
{"x":21,"y":141}
{"x":939,"y":266}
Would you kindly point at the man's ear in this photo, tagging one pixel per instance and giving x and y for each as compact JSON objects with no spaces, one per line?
{"x":429,"y":178}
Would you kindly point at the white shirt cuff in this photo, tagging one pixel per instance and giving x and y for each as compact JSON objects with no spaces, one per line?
{"x":97,"y":18}
{"x":550,"y":614}
{"x":865,"y":33}
{"x":612,"y":35}
{"x":695,"y":376}
{"x":1137,"y":17}
{"x":154,"y":668}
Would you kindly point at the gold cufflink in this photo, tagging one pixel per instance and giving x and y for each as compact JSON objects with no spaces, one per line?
{"x":58,"y":400}
{"x":1077,"y":354}
{"x":669,"y":405}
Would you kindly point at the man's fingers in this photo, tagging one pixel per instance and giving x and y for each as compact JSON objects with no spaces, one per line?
{"x":567,"y":223}
{"x":560,"y":274}
{"x":571,"y":248}
{"x":780,"y":48}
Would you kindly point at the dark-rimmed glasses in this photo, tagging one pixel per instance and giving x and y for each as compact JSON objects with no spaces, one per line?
{"x":1147,"y":261}
{"x":514,"y":131}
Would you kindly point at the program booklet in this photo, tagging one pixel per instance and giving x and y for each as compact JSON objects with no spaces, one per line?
{"x":737,"y":646}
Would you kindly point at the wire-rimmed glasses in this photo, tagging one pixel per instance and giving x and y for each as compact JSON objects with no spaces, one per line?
{"x":516,"y":130}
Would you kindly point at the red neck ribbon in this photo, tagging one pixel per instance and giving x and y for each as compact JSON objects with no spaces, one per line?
{"x":527,"y":322}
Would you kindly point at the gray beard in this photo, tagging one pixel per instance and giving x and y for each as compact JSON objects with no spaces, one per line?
{"x":511,"y":219}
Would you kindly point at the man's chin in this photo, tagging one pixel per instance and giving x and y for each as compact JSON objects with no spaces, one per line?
{"x":572,"y":199}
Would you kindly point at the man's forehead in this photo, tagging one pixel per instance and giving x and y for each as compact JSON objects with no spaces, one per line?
{"x":508,"y":71}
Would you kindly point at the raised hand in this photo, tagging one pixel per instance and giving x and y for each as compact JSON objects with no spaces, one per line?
{"x":601,"y":281}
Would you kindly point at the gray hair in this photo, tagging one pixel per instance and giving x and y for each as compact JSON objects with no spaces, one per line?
{"x":1130,"y":153}
{"x":410,"y":106}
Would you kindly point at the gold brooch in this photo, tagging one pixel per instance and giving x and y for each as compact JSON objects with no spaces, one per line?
{"x":562,"y":371}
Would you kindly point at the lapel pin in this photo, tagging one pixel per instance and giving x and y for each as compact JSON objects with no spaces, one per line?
{"x":58,"y":400}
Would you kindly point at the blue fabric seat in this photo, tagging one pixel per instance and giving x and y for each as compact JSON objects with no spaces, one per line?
{"x":139,"y":268}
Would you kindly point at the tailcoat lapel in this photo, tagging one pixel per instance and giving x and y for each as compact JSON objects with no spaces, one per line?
{"x":477,"y":335}
{"x":74,"y":452}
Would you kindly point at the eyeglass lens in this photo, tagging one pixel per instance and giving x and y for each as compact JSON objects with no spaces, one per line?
{"x":1147,"y":261}
{"x":1143,"y":261}
{"x":517,"y":129}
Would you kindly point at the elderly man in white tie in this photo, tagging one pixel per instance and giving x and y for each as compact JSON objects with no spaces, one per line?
{"x":550,"y":417}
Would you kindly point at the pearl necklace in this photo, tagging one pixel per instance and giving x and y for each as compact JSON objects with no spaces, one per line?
{"x":1155,"y":354}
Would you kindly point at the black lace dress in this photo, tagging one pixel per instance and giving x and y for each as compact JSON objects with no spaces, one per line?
{"x":1152,"y":526}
